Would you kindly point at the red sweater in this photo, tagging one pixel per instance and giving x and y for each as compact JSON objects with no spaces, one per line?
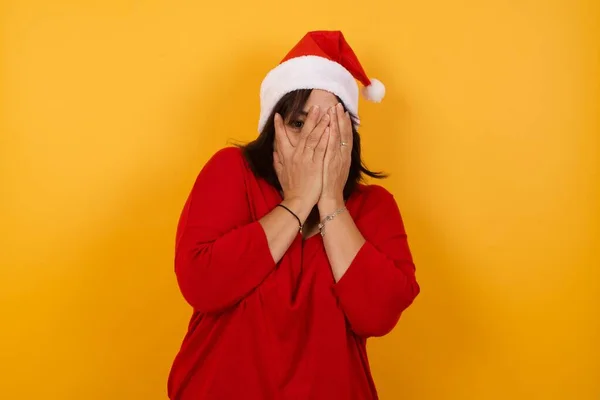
{"x":282,"y":331}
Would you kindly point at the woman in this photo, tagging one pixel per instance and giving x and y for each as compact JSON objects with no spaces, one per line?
{"x":289,"y":262}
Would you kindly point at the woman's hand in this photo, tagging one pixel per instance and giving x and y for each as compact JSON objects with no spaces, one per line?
{"x":337,"y":160}
{"x":300,"y":168}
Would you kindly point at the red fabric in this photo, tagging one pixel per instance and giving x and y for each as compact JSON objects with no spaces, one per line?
{"x":333,"y":46}
{"x":288,"y":331}
{"x":307,"y":46}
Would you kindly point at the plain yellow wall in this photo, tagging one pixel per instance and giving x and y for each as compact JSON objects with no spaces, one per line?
{"x":490,"y":130}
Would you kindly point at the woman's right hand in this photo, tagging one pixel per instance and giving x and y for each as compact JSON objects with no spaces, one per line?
{"x":300,"y":168}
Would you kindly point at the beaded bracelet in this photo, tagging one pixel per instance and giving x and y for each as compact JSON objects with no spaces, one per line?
{"x":329,"y":218}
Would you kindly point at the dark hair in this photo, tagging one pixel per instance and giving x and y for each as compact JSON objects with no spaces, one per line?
{"x":259,"y":152}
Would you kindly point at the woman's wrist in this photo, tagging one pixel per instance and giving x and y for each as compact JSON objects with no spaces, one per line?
{"x":328,"y":205}
{"x":299,"y":206}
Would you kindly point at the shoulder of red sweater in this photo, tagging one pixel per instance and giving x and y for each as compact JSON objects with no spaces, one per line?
{"x":371,"y":196}
{"x":228,"y":153}
{"x":367,"y":199}
{"x":227,"y":158}
{"x":373,"y":192}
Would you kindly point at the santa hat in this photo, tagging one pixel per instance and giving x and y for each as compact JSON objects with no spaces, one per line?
{"x":321,"y":60}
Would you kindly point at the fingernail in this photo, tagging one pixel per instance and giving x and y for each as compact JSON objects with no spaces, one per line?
{"x":339,"y":106}
{"x":326,"y":117}
{"x":327,"y":131}
{"x":315,"y":109}
{"x":333,"y":110}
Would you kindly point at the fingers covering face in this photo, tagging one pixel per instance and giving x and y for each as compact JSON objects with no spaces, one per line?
{"x":282,"y":141}
{"x":322,"y":145}
{"x":312,"y":140}
{"x":313,"y":130}
{"x":335,"y":125}
{"x":341,"y":128}
{"x":314,"y":116}
{"x":345,"y":126}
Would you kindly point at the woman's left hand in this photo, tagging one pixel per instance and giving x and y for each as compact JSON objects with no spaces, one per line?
{"x":337,"y":159}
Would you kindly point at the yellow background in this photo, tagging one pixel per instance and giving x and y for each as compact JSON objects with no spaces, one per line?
{"x":490,"y":130}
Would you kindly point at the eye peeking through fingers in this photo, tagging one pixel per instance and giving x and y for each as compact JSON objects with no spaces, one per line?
{"x":296,"y":124}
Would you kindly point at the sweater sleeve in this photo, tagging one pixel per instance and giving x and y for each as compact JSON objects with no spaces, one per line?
{"x":380,"y":282}
{"x":221,"y":255}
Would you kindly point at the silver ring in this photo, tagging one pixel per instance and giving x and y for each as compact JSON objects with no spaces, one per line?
{"x":344,"y":144}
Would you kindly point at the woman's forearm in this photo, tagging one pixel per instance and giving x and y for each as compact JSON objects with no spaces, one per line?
{"x":342,"y":239}
{"x":372,"y":267}
{"x":281,"y":227}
